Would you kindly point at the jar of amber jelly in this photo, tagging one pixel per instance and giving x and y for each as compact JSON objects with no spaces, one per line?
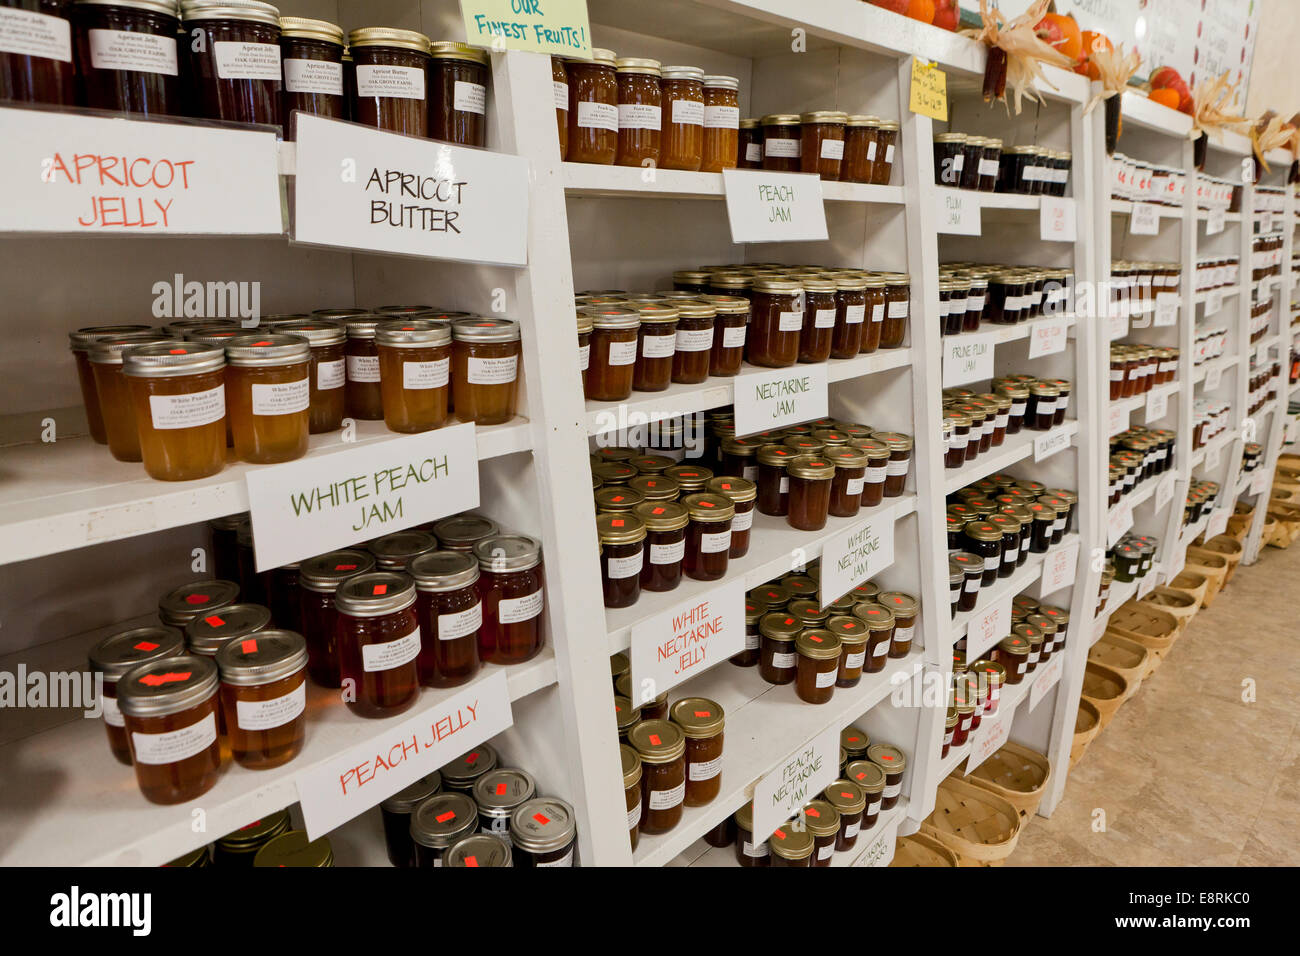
{"x":234,"y":60}
{"x":450,"y":615}
{"x":852,"y":634}
{"x":179,"y":396}
{"x":694,"y":342}
{"x":791,"y":847}
{"x":743,"y":495}
{"x":485,"y":369}
{"x":869,"y":779}
{"x":414,"y":373}
{"x":849,"y":802}
{"x":861,"y":139}
{"x":778,"y":631}
{"x":850,"y":315}
{"x":379,"y":641}
{"x":683,"y":118}
{"x":665,"y":545}
{"x":510,"y":585}
{"x":900,"y":457}
{"x":126,"y":55}
{"x":821,"y":149}
{"x":701,"y":722}
{"x":392,"y":79}
{"x":893,"y":761}
{"x":268,"y":396}
{"x":631,"y":761}
{"x":708,"y":536}
{"x":818,"y":664}
{"x":36,"y":61}
{"x":593,"y":108}
{"x":721,"y":123}
{"x":327,"y":374}
{"x":729,"y":328}
{"x":318,"y":579}
{"x":622,"y":552}
{"x":898,"y":292}
{"x":311,"y":53}
{"x":114,"y":394}
{"x":396,"y":813}
{"x":811,"y":478}
{"x":169,"y":711}
{"x":886,"y":145}
{"x":81,"y":342}
{"x":640,"y":102}
{"x":264,"y":697}
{"x":458,"y":75}
{"x":439,"y":822}
{"x":905,"y":609}
{"x":560,"y":83}
{"x":661,"y":745}
{"x":781,"y":142}
{"x":117,"y":654}
{"x":776,"y":322}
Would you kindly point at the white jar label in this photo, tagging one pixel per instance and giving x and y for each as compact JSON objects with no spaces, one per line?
{"x":988,"y":167}
{"x":639,"y":116}
{"x":751,"y":642}
{"x":694,"y":340}
{"x":658,"y":346}
{"x":35,"y":34}
{"x":975,"y":303}
{"x":893,"y":789}
{"x":716,"y":542}
{"x":188,"y":411}
{"x":1018,"y":409}
{"x":286,"y":398}
{"x":426,"y":374}
{"x":832,"y":149}
{"x":363,"y":368}
{"x":878,"y":312}
{"x":871,"y":151}
{"x":498,"y":371}
{"x":1020,"y":668}
{"x":855,"y":314}
{"x":113,"y":713}
{"x":973,"y":585}
{"x":851,"y":830}
{"x":722,"y":117}
{"x":667,"y":553}
{"x":598,"y":116}
{"x":688,"y":112}
{"x":854,"y":486}
{"x":753,"y":152}
{"x":330,"y":375}
{"x":469,"y":97}
{"x":667,"y":799}
{"x":958,"y":162}
{"x":824,"y":852}
{"x":175,"y":745}
{"x":898,"y":309}
{"x":743,"y":520}
{"x":628,"y":567}
{"x":965,"y":721}
{"x":855,"y":660}
{"x":704,"y":769}
{"x":783,"y":661}
{"x":390,"y":654}
{"x":824,"y":319}
{"x":584,"y":357}
{"x":781,"y":148}
{"x":128,"y":50}
{"x":313,"y":76}
{"x":1009,"y":557}
{"x":897,"y":467}
{"x":517,"y":610}
{"x":460,"y":624}
{"x":561,"y":95}
{"x":790,"y":322}
{"x":784,"y":488}
{"x":881,"y":649}
{"x":733,"y":337}
{"x":269,"y":714}
{"x":566,"y":860}
{"x":753,"y":850}
{"x":826,"y":679}
{"x":248,"y":61}
{"x":749,"y":473}
{"x":623,"y":353}
{"x":634,"y":815}
{"x":398,"y":82}
{"x":903,"y":635}
{"x":889,"y":153}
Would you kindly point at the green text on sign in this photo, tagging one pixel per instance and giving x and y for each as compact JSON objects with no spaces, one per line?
{"x":542,"y":26}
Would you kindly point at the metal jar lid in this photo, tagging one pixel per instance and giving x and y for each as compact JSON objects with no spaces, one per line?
{"x":1016,"y":644}
{"x":584,"y":323}
{"x":443,"y":819}
{"x":262,"y":658}
{"x":652,"y":486}
{"x":503,"y":553}
{"x":620,"y":497}
{"x":818,"y":644}
{"x":868,"y":776}
{"x":483,"y":329}
{"x":619,"y":528}
{"x":461,"y":773}
{"x":655,"y":313}
{"x":631,"y":766}
{"x":325,"y":572}
{"x":375,"y":594}
{"x":780,"y":119}
{"x":172,"y":358}
{"x":993,"y":672}
{"x":876,"y":618}
{"x":295,"y":850}
{"x":168,"y":685}
{"x":261,"y":351}
{"x":690,"y":478}
{"x":412,"y":333}
{"x":864,"y":119}
{"x":455,"y":50}
{"x":698,"y":717}
{"x":812,"y":467}
{"x":479,"y":850}
{"x":188,"y":601}
{"x":443,"y":570}
{"x":613,"y":317}
{"x":889,"y":758}
{"x":393,"y":551}
{"x":217,"y":335}
{"x":791,"y":844}
{"x":683,"y":73}
{"x":499,"y":791}
{"x":896,"y":441}
{"x":249,"y":10}
{"x":83,"y":339}
{"x":108,"y":351}
{"x":309,"y":29}
{"x":389,"y":36}
{"x":780,"y":626}
{"x":901,"y":603}
{"x":821,"y":818}
{"x":777,"y":286}
{"x":120,"y":652}
{"x":362,"y":326}
{"x":709,"y":507}
{"x":253,"y":836}
{"x":543,"y":825}
{"x":739,"y":490}
{"x":413,"y":794}
{"x":658,"y":741}
{"x":824,"y":116}
{"x":167,"y":7}
{"x":626,"y":714}
{"x":721,"y":82}
{"x":208,"y":633}
{"x":636,"y":64}
{"x":461,"y":532}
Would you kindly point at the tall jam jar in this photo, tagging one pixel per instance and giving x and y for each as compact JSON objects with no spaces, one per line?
{"x":234,"y":52}
{"x":114,"y":393}
{"x":268,"y":396}
{"x":560,"y":83}
{"x":694,"y":342}
{"x":178,"y":390}
{"x":318,"y":579}
{"x":127,"y":55}
{"x":683,"y":118}
{"x":613,"y":359}
{"x":119,"y":653}
{"x":326,"y":393}
{"x":730,"y":326}
{"x":450,"y":613}
{"x":81,"y":342}
{"x":544,"y":832}
{"x":721,"y":123}
{"x":485,"y":369}
{"x":622,"y":557}
{"x":640,"y":109}
{"x":593,"y":108}
{"x":776,"y":322}
{"x":665,"y":546}
{"x":414,"y":373}
{"x":511,"y":587}
{"x":708,"y":535}
{"x":861,"y":142}
{"x":379,"y":642}
{"x":264,"y":697}
{"x":458,"y":76}
{"x":781,"y":142}
{"x":392,"y":79}
{"x":821,"y":148}
{"x":311,"y":54}
{"x":656,"y":346}
{"x":36,"y":60}
{"x":362,"y":395}
{"x":817,"y":335}
{"x":661,"y":745}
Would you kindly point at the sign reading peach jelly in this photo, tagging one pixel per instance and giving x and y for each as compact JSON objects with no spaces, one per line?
{"x":341,"y":497}
{"x":78,"y":174}
{"x":690,"y":638}
{"x":542,"y":26}
{"x":362,"y":188}
{"x":797,"y":779}
{"x":335,"y":789}
{"x":764,"y":206}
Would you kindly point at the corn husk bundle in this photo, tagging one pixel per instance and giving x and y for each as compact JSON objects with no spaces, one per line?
{"x":1016,"y":53}
{"x":1270,"y":132}
{"x":1115,"y":67}
{"x":1212,"y":103}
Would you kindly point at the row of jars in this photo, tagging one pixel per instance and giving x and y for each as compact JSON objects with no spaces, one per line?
{"x":1216,"y":192}
{"x":970,"y":294}
{"x":1262,"y":386}
{"x":1135,"y":286}
{"x":837,"y":146}
{"x":1201,"y":498}
{"x":1208,"y":343}
{"x":1137,"y":455}
{"x":1266,"y":256}
{"x":1211,"y":417}
{"x":1135,"y":369}
{"x":1137,"y":181}
{"x":1261,"y":318}
{"x":965,"y":161}
{"x":975,"y":422}
{"x":243,"y":63}
{"x":1133,"y":556}
{"x":269,"y":841}
{"x":176,"y":398}
{"x":1216,"y":272}
{"x":1252,"y":455}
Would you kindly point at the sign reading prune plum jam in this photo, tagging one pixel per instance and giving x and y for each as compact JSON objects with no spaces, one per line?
{"x":361,"y":188}
{"x":333,"y":500}
{"x":66,"y":173}
{"x":687,"y":640}
{"x":765,"y":206}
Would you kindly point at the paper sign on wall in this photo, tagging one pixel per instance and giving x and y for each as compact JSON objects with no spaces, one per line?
{"x":542,"y":26}
{"x":1148,"y":584}
{"x":1047,"y":675}
{"x":966,"y":360}
{"x":766,"y":206}
{"x":1213,"y":377}
{"x":1165,"y":491}
{"x":1117,"y":421}
{"x":1212,"y":458}
{"x":1213,"y":302}
{"x":796,"y":780}
{"x":1119,"y":520}
{"x":1157,"y":405}
{"x":988,"y":627}
{"x":1048,"y":336}
{"x":69,"y":173}
{"x":1049,"y":443}
{"x":987,"y":740}
{"x":1214,"y":221}
{"x":1060,"y":568}
{"x":851,"y":557}
{"x":1166,"y":308}
{"x":317,"y":504}
{"x":356,"y":779}
{"x":959,"y":212}
{"x":1116,"y":324}
{"x":929,"y":90}
{"x":1144,"y":220}
{"x":1260,"y":481}
{"x":1058,"y":220}
{"x":689,"y":639}
{"x":1218,"y":523}
{"x":781,"y":397}
{"x":361,"y":188}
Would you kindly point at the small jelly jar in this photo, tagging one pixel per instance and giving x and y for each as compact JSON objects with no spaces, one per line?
{"x":362,"y":395}
{"x":729,"y":330}
{"x":179,"y":395}
{"x":485,"y":369}
{"x":114,"y":393}
{"x":818,"y":332}
{"x":776,"y":322}
{"x":264,"y":697}
{"x":821,"y":148}
{"x":622,"y":557}
{"x":880,"y":631}
{"x":438,"y":823}
{"x":631,"y":762}
{"x":849,"y":481}
{"x":584,"y":327}
{"x":861,"y":148}
{"x":396,"y":814}
{"x":169,"y":711}
{"x":900,"y":458}
{"x":749,"y":852}
{"x":778,"y":631}
{"x":893,"y":761}
{"x":849,"y":802}
{"x":80,"y":343}
{"x":327,"y":375}
{"x":791,"y":847}
{"x":543,"y":832}
{"x":268,"y":396}
{"x":887,"y":142}
{"x":876,"y":475}
{"x":318,"y":579}
{"x":694,"y":342}
{"x":749,"y":656}
{"x":721,"y":123}
{"x":127,"y":56}
{"x":893,"y":329}
{"x":379,"y":642}
{"x":850,"y":315}
{"x":117,"y":654}
{"x":498,"y":793}
{"x":234,"y":60}
{"x":744,"y":496}
{"x":511,"y":587}
{"x":683,"y":118}
{"x":593,"y":108}
{"x":450,"y":613}
{"x":656,"y":344}
{"x":640,"y":112}
{"x":853,"y":637}
{"x":1013,"y":655}
{"x":818,"y":665}
{"x":414,"y":373}
{"x":782,"y":141}
{"x":810,"y":478}
{"x":701,"y":721}
{"x":749,"y":146}
{"x":661,"y":745}
{"x":392,"y":79}
{"x":458,"y":76}
{"x":311,"y":53}
{"x":992,"y":675}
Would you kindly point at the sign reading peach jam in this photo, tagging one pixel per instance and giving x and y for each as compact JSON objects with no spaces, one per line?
{"x":766,"y":206}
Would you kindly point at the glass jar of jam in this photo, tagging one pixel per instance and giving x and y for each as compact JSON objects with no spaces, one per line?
{"x":498,"y":793}
{"x":1047,"y":628}
{"x":651,"y":708}
{"x":861,"y":141}
{"x":640,"y":112}
{"x":749,"y":148}
{"x":318,"y":579}
{"x":458,"y":76}
{"x":311,"y":53}
{"x":450,"y":615}
{"x":898,"y":294}
{"x":822,"y":821}
{"x":169,"y":711}
{"x":732,"y":320}
{"x":893,"y":761}
{"x":240,"y":847}
{"x":665,"y":545}
{"x":850,"y":315}
{"x":852,"y":634}
{"x":379,"y":641}
{"x":268,"y":396}
{"x":392,"y":79}
{"x":778,"y":632}
{"x":708,"y":536}
{"x":949,"y":729}
{"x":744,"y":496}
{"x":1013,"y":655}
{"x":264,"y":697}
{"x":622,"y":553}
{"x":1044,"y":518}
{"x":739,"y":456}
{"x":544,"y":832}
{"x":818,"y":330}
{"x":485,"y":369}
{"x":1041,"y":413}
{"x":179,"y":396}
{"x":985,"y":540}
{"x":782,"y":140}
{"x":234,"y":60}
{"x":869,"y":779}
{"x":560,"y":82}
{"x":609,"y":375}
{"x":821,"y":148}
{"x":327,"y":374}
{"x":439,"y":822}
{"x":886,"y":144}
{"x":81,"y":342}
{"x":694,"y":342}
{"x":818,"y":664}
{"x":593,"y":108}
{"x":661,"y":745}
{"x":626,"y":716}
{"x":749,"y":852}
{"x":880,"y":630}
{"x":511,"y":588}
{"x":126,"y":55}
{"x":683,"y":120}
{"x":849,"y":481}
{"x":701,"y":722}
{"x":657,"y":343}
{"x":949,"y":159}
{"x":810,"y":479}
{"x":721,"y":124}
{"x":875,"y":474}
{"x":113,"y":393}
{"x":36,"y":64}
{"x":905,"y":609}
{"x":396,"y":813}
{"x":631,"y":761}
{"x":791,"y":847}
{"x":776,"y":322}
{"x":362,"y":396}
{"x":466,"y":770}
{"x":414,"y":373}
{"x":900,"y":457}
{"x":773,"y":479}
{"x":749,"y":656}
{"x":849,"y":802}
{"x":117,"y":654}
{"x":1019,"y":395}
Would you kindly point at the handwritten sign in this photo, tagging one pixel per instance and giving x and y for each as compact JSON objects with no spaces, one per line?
{"x":1048,"y":674}
{"x":929,"y":91}
{"x":1058,"y":220}
{"x":1165,"y":491}
{"x":1218,"y":523}
{"x":1049,"y":443}
{"x":1144,"y":220}
{"x":988,"y":627}
{"x":1117,"y":420}
{"x":879,"y":852}
{"x":1157,"y":405}
{"x":797,"y":779}
{"x":1048,"y":336}
{"x":1214,"y":221}
{"x":362,"y":188}
{"x":1060,"y":568}
{"x":959,"y":212}
{"x":966,"y":359}
{"x":333,"y":500}
{"x":988,"y":740}
{"x":1118,"y":520}
{"x":1213,"y":302}
{"x":542,"y":26}
{"x":1116,"y":320}
{"x":1260,"y":481}
{"x":354,"y":780}
{"x":85,"y":175}
{"x":1212,"y":458}
{"x":780,"y":397}
{"x":851,"y":557}
{"x":1166,"y":308}
{"x":1213,"y":377}
{"x":689,"y":639}
{"x":765,"y":206}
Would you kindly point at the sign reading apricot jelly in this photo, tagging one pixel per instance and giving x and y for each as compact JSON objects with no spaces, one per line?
{"x":689,"y":639}
{"x":334,"y":500}
{"x":543,"y":26}
{"x":69,"y":173}
{"x":337,"y":788}
{"x":362,"y":188}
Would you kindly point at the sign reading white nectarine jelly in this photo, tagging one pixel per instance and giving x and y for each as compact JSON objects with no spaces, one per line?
{"x":689,"y":639}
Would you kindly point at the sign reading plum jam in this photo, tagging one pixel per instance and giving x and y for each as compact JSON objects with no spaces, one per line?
{"x":67,"y":173}
{"x":765,"y":206}
{"x":689,"y":639}
{"x":781,"y":397}
{"x":542,"y":26}
{"x":361,"y":188}
{"x":317,"y":504}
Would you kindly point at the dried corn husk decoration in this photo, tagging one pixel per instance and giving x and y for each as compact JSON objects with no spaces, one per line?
{"x":1116,"y":67}
{"x":1270,"y":134}
{"x":1212,"y":101}
{"x":1014,"y":44}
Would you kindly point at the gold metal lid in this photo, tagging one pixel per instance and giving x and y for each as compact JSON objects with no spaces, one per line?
{"x":455,"y":50}
{"x":868,"y":776}
{"x":389,"y":36}
{"x":769,"y":595}
{"x":619,"y":529}
{"x":888,"y":757}
{"x":824,"y":116}
{"x":876,"y":618}
{"x":780,"y":119}
{"x":636,"y":64}
{"x":698,"y":717}
{"x":864,"y":119}
{"x":626,"y":713}
{"x":850,"y":630}
{"x":310,"y":29}
{"x":820,"y":818}
{"x":618,"y":498}
{"x":812,"y":467}
{"x":657,"y":741}
{"x":631,"y":766}
{"x":780,"y":626}
{"x":294,"y":849}
{"x":791,"y":844}
{"x":845,"y":795}
{"x":854,"y":740}
{"x":818,"y":644}
{"x":901,"y":603}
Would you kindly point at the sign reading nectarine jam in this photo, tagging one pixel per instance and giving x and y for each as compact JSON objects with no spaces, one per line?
{"x":687,"y":640}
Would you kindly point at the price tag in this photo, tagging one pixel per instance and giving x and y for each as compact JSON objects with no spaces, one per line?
{"x":1166,"y":308}
{"x":1060,"y":569}
{"x":987,"y":627}
{"x":879,"y":852}
{"x":71,"y":173}
{"x":1214,"y":221}
{"x":1118,"y":520}
{"x":780,"y":397}
{"x":766,"y":206}
{"x":929,"y":91}
{"x":336,"y":499}
{"x":987,"y":740}
{"x":362,"y":188}
{"x":1047,"y":675}
{"x":1260,"y":481}
{"x":1213,"y":302}
{"x":1218,"y":523}
{"x":851,"y":557}
{"x":391,"y":757}
{"x":677,"y":644}
{"x":966,"y":359}
{"x":1157,"y":405}
{"x":1165,"y":491}
{"x":1213,"y":377}
{"x":959,"y":212}
{"x":1116,"y":323}
{"x":797,"y":779}
{"x":1144,"y":220}
{"x":555,"y":26}
{"x":1118,"y":420}
{"x":1212,"y":458}
{"x":1057,"y":220}
{"x":1049,"y":443}
{"x":1048,"y":336}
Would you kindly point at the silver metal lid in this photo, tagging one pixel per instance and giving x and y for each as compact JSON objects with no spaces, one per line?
{"x":168,"y":685}
{"x":499,"y":791}
{"x":230,"y":10}
{"x":393,"y":551}
{"x":274,"y":348}
{"x":168,"y":7}
{"x":461,"y":773}
{"x":508,"y":552}
{"x":179,"y":328}
{"x":543,"y":825}
{"x":84,"y":338}
{"x":375,"y":594}
{"x":413,"y":794}
{"x":683,"y":73}
{"x":404,"y":311}
{"x":480,"y":328}
{"x":443,"y":570}
{"x":482,"y":849}
{"x":412,"y":333}
{"x":722,"y":82}
{"x":262,"y":658}
{"x":325,"y":572}
{"x":461,"y":532}
{"x":443,"y":819}
{"x":208,"y":633}
{"x":109,"y":351}
{"x":217,"y":335}
{"x":188,"y":601}
{"x":120,"y":652}
{"x":318,"y":334}
{"x":172,"y":357}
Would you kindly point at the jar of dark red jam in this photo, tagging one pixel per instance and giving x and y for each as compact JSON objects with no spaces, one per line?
{"x":439,"y":822}
{"x":817,"y":666}
{"x":791,"y":847}
{"x":818,"y":332}
{"x":778,"y":631}
{"x":396,"y":813}
{"x":458,"y":76}
{"x":379,"y":642}
{"x":234,"y":60}
{"x":392,"y":79}
{"x":708,"y":535}
{"x":850,"y":803}
{"x":450,"y":614}
{"x":849,"y":481}
{"x":729,"y":329}
{"x":701,"y":722}
{"x":898,"y":294}
{"x":852,"y":634}
{"x":311,"y":54}
{"x":900,"y":457}
{"x":893,"y":761}
{"x":126,"y":55}
{"x":318,"y":579}
{"x":622,"y":557}
{"x":631,"y":762}
{"x":810,"y":492}
{"x":169,"y":711}
{"x":264,"y":697}
{"x":776,"y":323}
{"x":511,"y":587}
{"x":749,"y":149}
{"x":694,"y":342}
{"x":664,"y":523}
{"x":744,"y":496}
{"x":593,"y":108}
{"x":179,"y":397}
{"x":905,"y":609}
{"x":782,"y":141}
{"x":822,"y":821}
{"x":544,"y":832}
{"x":117,"y":654}
{"x":1013,"y":654}
{"x":661,"y":746}
{"x":749,"y":656}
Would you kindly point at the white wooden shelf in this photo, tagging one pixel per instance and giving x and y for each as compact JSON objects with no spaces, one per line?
{"x":588,"y":180}
{"x":1014,"y":449}
{"x":1217,"y":443}
{"x":1228,"y":292}
{"x":1223,"y":363}
{"x":1127,"y":406}
{"x":992,"y":334}
{"x":1124,"y":207}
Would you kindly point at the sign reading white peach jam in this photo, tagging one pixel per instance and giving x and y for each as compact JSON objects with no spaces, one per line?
{"x":689,"y":639}
{"x":356,"y":493}
{"x":784,"y":396}
{"x":66,"y":173}
{"x":797,"y":779}
{"x":345,"y":784}
{"x":362,"y":188}
{"x":765,"y":206}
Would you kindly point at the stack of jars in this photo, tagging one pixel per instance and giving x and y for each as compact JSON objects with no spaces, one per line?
{"x":1262,"y":386}
{"x":975,"y":422}
{"x":1133,"y":556}
{"x":1210,"y":418}
{"x":966,"y":161}
{"x":1135,"y":369}
{"x":1137,"y":455}
{"x":839,"y":147}
{"x":1216,"y":272}
{"x":1261,"y":316}
{"x":970,"y":294}
{"x":1201,"y":497}
{"x":1252,"y":453}
{"x":1135,"y":286}
{"x":1266,"y":256}
{"x":1214,"y":192}
{"x":1208,"y":343}
{"x":1137,"y":181}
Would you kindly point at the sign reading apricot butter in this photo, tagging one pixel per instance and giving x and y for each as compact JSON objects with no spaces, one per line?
{"x":689,"y":639}
{"x":851,"y":557}
{"x":334,"y":500}
{"x":798,"y":778}
{"x":542,"y":26}
{"x":65,"y":173}
{"x":785,"y":396}
{"x":351,"y":782}
{"x":362,"y":188}
{"x":766,"y":206}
